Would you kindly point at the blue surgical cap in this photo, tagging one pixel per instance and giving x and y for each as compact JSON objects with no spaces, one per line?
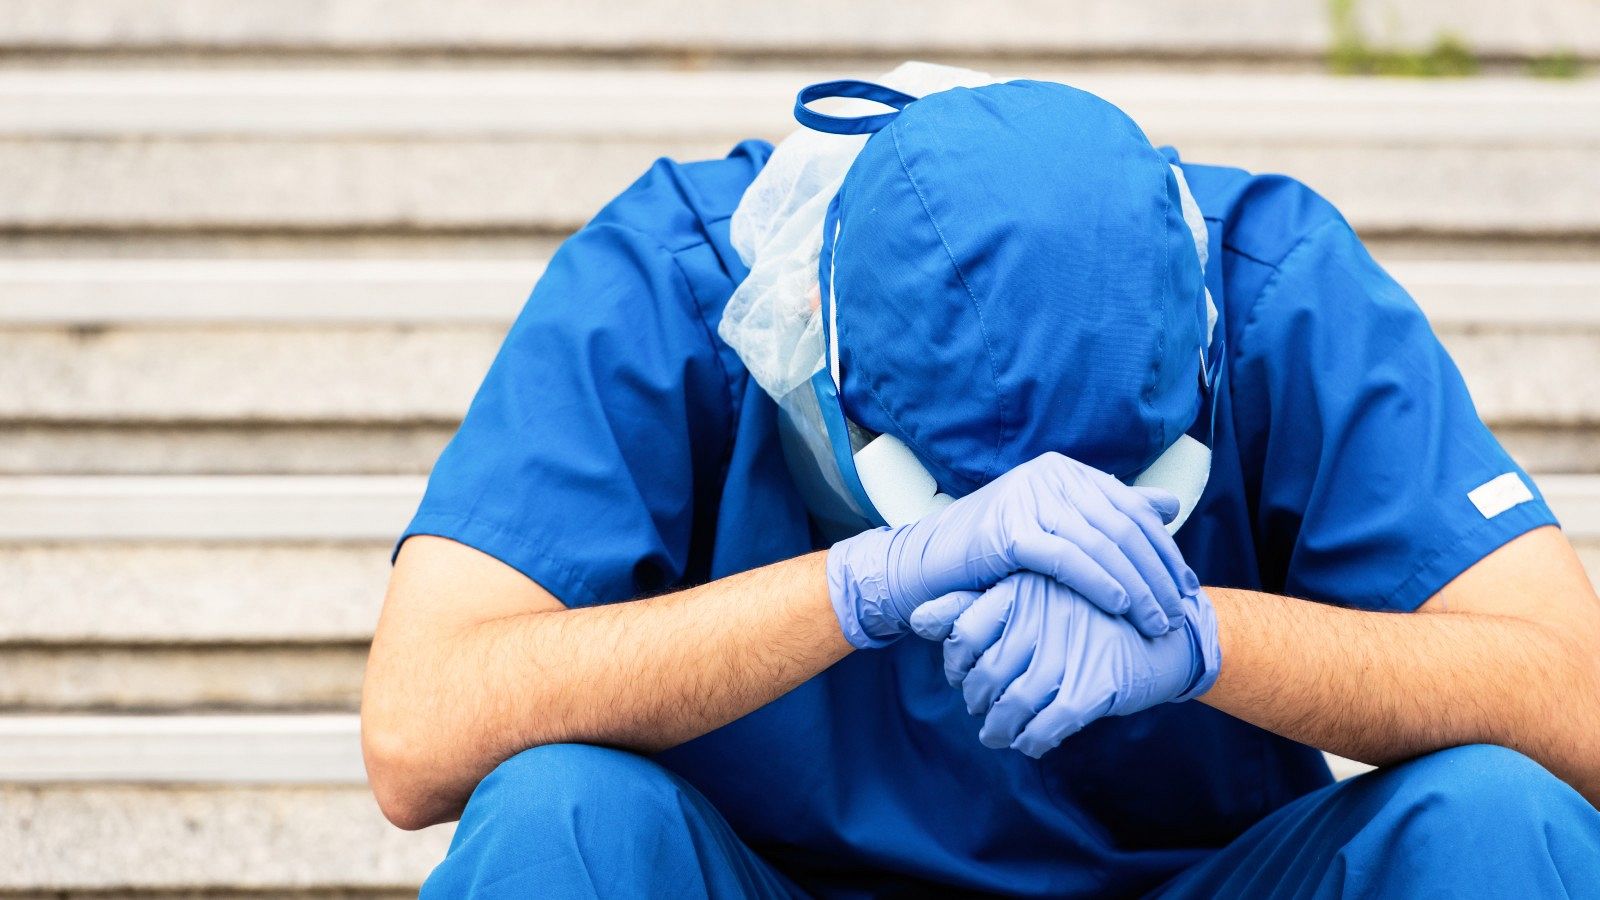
{"x":1012,"y":275}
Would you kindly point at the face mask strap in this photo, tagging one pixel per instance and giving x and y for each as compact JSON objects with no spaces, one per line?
{"x":826,"y":381}
{"x":857,"y":90}
{"x":834,"y":423}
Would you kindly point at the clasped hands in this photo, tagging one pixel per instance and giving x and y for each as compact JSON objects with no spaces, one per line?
{"x":1058,"y":594}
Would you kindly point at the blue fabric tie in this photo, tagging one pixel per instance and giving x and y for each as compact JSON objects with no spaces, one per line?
{"x":860,"y":90}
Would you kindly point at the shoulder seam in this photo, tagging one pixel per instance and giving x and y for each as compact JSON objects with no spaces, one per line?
{"x":1268,"y":289}
{"x":695,"y":306}
{"x":695,"y":310}
{"x":1235,"y":250}
{"x":1236,"y":352}
{"x":730,"y":397}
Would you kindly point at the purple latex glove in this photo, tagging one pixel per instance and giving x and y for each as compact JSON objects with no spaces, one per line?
{"x":1039,"y":662}
{"x":1050,"y":515}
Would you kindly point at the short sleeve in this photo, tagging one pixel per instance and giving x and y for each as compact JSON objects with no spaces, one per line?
{"x":594,"y":440}
{"x":1378,"y":482}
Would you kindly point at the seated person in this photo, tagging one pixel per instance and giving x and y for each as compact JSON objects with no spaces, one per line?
{"x":688,"y":610}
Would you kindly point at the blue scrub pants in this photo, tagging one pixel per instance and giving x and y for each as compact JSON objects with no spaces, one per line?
{"x":579,"y":821}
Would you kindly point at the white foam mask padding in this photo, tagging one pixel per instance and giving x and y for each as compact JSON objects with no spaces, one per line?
{"x":1182,"y":469}
{"x":899,"y":487}
{"x":902,"y":490}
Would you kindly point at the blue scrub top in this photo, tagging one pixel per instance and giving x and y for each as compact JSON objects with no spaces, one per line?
{"x":618,"y":448}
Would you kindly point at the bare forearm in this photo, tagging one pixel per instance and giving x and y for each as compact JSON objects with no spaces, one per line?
{"x":653,"y":673}
{"x":646,"y":675}
{"x":1380,"y":687}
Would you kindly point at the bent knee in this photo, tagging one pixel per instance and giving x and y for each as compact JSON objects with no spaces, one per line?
{"x":542,"y":814}
{"x":559,"y":780}
{"x":1485,"y":780}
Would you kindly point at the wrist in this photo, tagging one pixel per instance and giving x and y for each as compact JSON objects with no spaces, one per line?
{"x":1205,"y":646}
{"x":858,"y":586}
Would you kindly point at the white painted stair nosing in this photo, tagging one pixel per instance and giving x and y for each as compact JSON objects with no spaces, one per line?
{"x":245,"y":292}
{"x":201,"y":508}
{"x":334,"y":507}
{"x":221,"y":749}
{"x":343,"y":103}
{"x":279,"y":749}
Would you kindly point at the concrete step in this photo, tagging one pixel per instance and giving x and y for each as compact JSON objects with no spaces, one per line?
{"x":75,"y":581}
{"x":407,"y":377}
{"x":224,"y":894}
{"x":306,"y":749}
{"x":291,"y":511}
{"x":89,"y":322}
{"x":199,"y":593}
{"x":301,"y":749}
{"x":112,"y":293}
{"x":538,"y":152}
{"x":289,"y":448}
{"x":137,"y":804}
{"x":243,"y":509}
{"x":1167,"y":28}
{"x":126,"y":840}
{"x":202,"y":804}
{"x":185,"y":677}
{"x":394,"y":375}
{"x":120,"y":344}
{"x":513,"y":245}
{"x":233,"y":448}
{"x":188,"y":594}
{"x":1574,"y":450}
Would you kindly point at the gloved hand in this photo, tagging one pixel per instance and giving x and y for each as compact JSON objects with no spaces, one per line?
{"x":1050,"y":515}
{"x":1039,"y":662}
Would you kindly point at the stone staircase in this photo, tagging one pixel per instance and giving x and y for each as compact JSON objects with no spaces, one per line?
{"x":255,"y":257}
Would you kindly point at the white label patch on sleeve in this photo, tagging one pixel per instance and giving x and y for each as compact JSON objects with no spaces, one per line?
{"x":1499,"y":494}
